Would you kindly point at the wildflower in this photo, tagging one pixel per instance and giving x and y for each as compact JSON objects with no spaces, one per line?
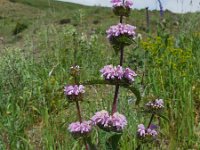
{"x":141,"y":130}
{"x":129,"y":74}
{"x":121,"y":34}
{"x":74,"y":92}
{"x":80,"y":129}
{"x":151,"y":131}
{"x":128,"y":3}
{"x":117,"y":3}
{"x":121,"y":29}
{"x":121,"y":8}
{"x":101,"y":118}
{"x":111,"y":72}
{"x":115,"y":122}
{"x":119,"y":121}
{"x":147,"y":133}
{"x":155,"y":106}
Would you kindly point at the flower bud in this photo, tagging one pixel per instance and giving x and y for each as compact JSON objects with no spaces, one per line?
{"x":75,"y":71}
{"x":155,"y":106}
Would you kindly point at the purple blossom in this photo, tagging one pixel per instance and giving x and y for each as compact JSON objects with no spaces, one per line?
{"x":80,"y":128}
{"x":117,"y":3}
{"x":74,"y":90}
{"x":103,"y":119}
{"x":121,"y":29}
{"x":128,"y":3}
{"x":129,"y":74}
{"x":143,"y":132}
{"x":152,"y":130}
{"x":119,"y":121}
{"x":110,"y":72}
{"x":119,"y":72}
{"x":156,"y":104}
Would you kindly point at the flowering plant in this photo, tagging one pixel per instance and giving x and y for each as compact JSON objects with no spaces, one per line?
{"x":121,"y":34}
{"x":121,"y":8}
{"x":115,"y":122}
{"x":112,"y":122}
{"x":74,"y":92}
{"x":116,"y":73}
{"x":80,"y":128}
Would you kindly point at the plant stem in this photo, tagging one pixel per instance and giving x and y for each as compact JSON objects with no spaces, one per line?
{"x":80,"y":120}
{"x":150,"y":121}
{"x":114,"y":106}
{"x":121,"y":18}
{"x":86,"y":145}
{"x":121,"y":54}
{"x":78,"y":111}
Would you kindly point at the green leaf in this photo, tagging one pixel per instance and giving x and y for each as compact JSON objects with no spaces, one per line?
{"x":112,"y":142}
{"x":91,"y":146}
{"x":163,"y":117}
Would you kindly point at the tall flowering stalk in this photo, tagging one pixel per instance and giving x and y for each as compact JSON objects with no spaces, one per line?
{"x":119,"y":36}
{"x":74,"y":93}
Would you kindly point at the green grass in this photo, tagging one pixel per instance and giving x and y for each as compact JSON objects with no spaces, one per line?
{"x":34,"y":67}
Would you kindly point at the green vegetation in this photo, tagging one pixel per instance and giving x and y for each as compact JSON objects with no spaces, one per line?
{"x":34,"y":64}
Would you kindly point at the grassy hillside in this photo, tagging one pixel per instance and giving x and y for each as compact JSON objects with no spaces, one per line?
{"x":41,"y":39}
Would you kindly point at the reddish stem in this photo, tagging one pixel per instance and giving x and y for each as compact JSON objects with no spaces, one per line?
{"x":121,"y":54}
{"x":115,"y":101}
{"x":80,"y":119}
{"x":78,"y":111}
{"x":114,"y":106}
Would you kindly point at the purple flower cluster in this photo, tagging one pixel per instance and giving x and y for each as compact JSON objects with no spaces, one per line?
{"x":74,"y":90}
{"x":80,"y":128}
{"x":156,"y":104}
{"x":116,"y":121}
{"x":111,"y":72}
{"x":129,"y":74}
{"x":121,"y":29}
{"x":143,"y":132}
{"x":118,"y":3}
